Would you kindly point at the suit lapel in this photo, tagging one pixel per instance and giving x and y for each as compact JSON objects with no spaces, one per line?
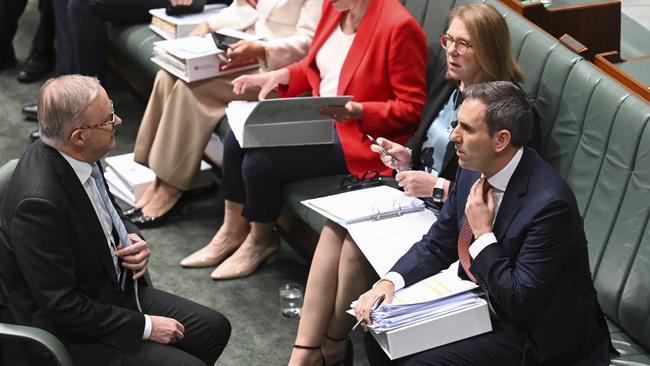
{"x":365,"y":33}
{"x":511,"y":203}
{"x":80,"y":199}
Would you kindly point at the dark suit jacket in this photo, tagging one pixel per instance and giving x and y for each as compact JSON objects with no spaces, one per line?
{"x":537,"y":274}
{"x":56,"y":267}
{"x":384,"y":70}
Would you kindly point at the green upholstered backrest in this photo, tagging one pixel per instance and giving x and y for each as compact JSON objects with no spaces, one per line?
{"x":595,"y":133}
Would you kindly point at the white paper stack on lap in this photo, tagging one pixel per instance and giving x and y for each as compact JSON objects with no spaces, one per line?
{"x":434,"y":296}
{"x":195,"y":58}
{"x":435,"y":311}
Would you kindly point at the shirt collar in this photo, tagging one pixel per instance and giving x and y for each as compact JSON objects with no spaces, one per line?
{"x":501,"y":179}
{"x":81,"y":168}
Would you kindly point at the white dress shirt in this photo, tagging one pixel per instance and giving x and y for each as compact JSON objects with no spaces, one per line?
{"x":83,"y":170}
{"x":499,"y":182}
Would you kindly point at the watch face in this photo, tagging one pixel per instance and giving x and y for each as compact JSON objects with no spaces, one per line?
{"x":437,"y":195}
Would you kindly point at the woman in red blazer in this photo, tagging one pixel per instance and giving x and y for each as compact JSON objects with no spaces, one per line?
{"x":370,"y":49}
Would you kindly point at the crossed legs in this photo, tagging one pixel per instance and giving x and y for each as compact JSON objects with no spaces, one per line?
{"x":339,"y":274}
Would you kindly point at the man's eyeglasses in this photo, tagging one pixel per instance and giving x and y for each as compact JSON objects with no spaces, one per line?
{"x":461,"y":45}
{"x":110,"y":122}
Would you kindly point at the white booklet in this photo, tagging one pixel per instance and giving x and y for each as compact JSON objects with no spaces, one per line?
{"x":282,"y":121}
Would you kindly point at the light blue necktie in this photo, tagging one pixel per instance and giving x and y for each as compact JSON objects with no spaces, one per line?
{"x":122,"y":234}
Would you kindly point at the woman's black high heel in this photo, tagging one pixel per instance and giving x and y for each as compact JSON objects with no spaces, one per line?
{"x":348,"y":360}
{"x":143,"y":221}
{"x":322,"y":359}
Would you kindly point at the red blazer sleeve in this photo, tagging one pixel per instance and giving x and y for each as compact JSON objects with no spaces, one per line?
{"x":407,"y":65}
{"x":298,"y":82}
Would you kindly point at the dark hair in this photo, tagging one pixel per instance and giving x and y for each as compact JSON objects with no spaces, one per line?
{"x":507,"y":108}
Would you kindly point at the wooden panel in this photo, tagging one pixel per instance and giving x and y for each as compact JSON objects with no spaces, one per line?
{"x":607,"y":63}
{"x":596,"y":24}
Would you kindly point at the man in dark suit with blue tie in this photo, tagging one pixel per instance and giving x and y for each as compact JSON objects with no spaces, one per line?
{"x":529,"y":253}
{"x":72,"y":266}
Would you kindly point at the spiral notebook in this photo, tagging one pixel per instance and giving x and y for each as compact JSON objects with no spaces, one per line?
{"x":374,"y":203}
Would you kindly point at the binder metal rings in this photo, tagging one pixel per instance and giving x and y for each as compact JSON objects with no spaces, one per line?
{"x":377,"y":215}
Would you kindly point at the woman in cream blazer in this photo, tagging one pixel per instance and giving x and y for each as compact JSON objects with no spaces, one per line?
{"x":180,"y":116}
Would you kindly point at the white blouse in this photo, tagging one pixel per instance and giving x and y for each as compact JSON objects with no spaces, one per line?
{"x":329,"y":60}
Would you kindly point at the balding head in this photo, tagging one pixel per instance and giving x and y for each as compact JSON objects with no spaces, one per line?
{"x":61,"y":105}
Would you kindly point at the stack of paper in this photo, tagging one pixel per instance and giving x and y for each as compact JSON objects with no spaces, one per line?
{"x":176,"y":26}
{"x":128,"y":179}
{"x":438,"y":310}
{"x":194,"y":58}
{"x":365,"y":204}
{"x":432,"y":297}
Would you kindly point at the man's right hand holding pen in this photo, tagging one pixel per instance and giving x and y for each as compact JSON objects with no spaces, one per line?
{"x":366,"y":302}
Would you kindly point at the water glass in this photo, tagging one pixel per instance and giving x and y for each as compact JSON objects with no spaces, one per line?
{"x":291,"y":299}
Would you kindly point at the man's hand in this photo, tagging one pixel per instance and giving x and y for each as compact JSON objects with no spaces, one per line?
{"x":166,"y":330}
{"x":367,"y":300}
{"x":136,"y":256}
{"x":267,"y":81}
{"x":416,"y":183}
{"x":242,"y":51}
{"x":399,"y":158}
{"x":201,"y":30}
{"x":479,"y":211}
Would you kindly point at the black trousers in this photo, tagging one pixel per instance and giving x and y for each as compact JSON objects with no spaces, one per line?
{"x":502,"y":347}
{"x":10,"y":12}
{"x":206,"y":332}
{"x":82,"y":39}
{"x":206,"y":335}
{"x":255,"y":177}
{"x":43,"y":41}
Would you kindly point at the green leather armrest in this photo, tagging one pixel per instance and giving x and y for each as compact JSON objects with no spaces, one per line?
{"x":41,"y":336}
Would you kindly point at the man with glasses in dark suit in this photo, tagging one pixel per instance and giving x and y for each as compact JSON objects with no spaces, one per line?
{"x":72,"y":266}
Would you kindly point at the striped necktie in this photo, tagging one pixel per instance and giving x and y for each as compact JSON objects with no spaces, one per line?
{"x":118,"y":225}
{"x":465,"y":239}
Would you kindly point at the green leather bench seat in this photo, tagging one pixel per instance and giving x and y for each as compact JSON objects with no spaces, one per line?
{"x":131,"y":48}
{"x":594,"y":132}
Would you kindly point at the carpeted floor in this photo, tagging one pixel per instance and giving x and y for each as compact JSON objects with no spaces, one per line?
{"x":261,"y":335}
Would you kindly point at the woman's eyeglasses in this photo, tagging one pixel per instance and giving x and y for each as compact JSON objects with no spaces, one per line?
{"x":461,"y":45}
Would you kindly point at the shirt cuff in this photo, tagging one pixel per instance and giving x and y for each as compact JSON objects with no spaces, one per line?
{"x":147,"y":327}
{"x":479,"y":244}
{"x":395,"y":278}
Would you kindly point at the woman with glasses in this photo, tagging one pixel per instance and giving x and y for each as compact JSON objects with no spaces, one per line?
{"x":477,"y":46}
{"x":372,"y":50}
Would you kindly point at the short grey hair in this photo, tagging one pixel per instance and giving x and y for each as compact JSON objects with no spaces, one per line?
{"x":507,"y":108}
{"x":61,"y":105}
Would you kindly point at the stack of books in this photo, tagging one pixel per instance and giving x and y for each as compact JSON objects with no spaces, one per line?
{"x":128,"y":179}
{"x":195,"y":58}
{"x":176,"y":26}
